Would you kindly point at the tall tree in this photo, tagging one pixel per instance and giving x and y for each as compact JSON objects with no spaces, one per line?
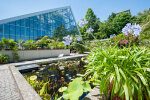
{"x":120,"y":21}
{"x":111,"y":17}
{"x":93,"y":21}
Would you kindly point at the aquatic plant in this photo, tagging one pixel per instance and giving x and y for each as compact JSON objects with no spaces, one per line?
{"x":76,"y":89}
{"x":51,"y":80}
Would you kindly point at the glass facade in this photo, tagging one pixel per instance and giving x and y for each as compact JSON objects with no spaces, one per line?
{"x":39,"y":25}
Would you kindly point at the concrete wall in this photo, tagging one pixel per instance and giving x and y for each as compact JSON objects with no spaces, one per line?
{"x":36,"y":54}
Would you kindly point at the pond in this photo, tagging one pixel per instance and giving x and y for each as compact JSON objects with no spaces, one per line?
{"x":48,"y":79}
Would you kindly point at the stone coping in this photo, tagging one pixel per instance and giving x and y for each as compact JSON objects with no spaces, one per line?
{"x":13,"y":86}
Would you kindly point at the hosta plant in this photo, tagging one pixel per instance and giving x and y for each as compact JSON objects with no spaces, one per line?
{"x":122,"y":73}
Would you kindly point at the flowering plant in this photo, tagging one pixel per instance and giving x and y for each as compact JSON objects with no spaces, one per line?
{"x":82,"y":23}
{"x":130,"y":36}
{"x":90,"y":30}
{"x":79,"y":45}
{"x":68,"y":40}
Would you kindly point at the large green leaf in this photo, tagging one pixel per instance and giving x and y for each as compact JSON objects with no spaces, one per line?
{"x":86,"y":87}
{"x":75,"y":90}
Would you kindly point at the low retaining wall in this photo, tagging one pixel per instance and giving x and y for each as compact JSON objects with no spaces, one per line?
{"x":36,"y":54}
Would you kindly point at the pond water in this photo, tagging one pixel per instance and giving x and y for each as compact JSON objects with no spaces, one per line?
{"x":49,"y":78}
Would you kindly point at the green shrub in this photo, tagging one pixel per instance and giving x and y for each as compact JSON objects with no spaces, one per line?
{"x":61,"y":45}
{"x":15,"y":53}
{"x":79,"y":45}
{"x":30,"y":44}
{"x":144,"y":37}
{"x":3,"y":59}
{"x":8,"y":43}
{"x":125,"y":40}
{"x":1,"y":45}
{"x":125,"y":72}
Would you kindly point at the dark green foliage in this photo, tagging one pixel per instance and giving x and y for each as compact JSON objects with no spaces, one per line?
{"x":60,"y":32}
{"x":120,"y":21}
{"x":111,"y":17}
{"x":92,"y":20}
{"x":15,"y":54}
{"x":145,"y":36}
{"x":79,"y":46}
{"x":105,"y":30}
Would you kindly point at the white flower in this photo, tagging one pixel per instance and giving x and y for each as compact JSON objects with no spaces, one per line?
{"x":79,"y":38}
{"x":90,"y":30}
{"x":82,"y":23}
{"x":113,"y":35}
{"x":68,"y":40}
{"x":133,"y":29}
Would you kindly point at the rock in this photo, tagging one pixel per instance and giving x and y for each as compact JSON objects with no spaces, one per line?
{"x":61,"y":68}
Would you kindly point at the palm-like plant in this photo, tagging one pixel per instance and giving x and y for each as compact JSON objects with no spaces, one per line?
{"x":20,"y":44}
{"x":125,"y":72}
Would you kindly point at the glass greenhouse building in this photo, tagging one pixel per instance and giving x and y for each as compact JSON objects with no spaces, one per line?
{"x":51,"y":23}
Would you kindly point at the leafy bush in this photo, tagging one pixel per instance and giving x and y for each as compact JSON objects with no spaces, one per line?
{"x":125,"y":72}
{"x":8,"y":43}
{"x":43,"y":43}
{"x":1,"y":45}
{"x":120,"y":21}
{"x":61,"y":45}
{"x":3,"y":59}
{"x":144,"y":37}
{"x":125,"y":40}
{"x":79,"y":45}
{"x":30,"y":44}
{"x":15,"y":54}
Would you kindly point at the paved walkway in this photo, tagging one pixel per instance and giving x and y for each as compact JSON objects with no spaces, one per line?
{"x":13,"y":86}
{"x":8,"y":91}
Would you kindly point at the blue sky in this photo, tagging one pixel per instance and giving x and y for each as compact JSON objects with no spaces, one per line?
{"x":102,"y":8}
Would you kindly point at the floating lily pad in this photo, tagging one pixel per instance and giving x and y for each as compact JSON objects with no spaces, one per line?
{"x":62,"y":89}
{"x":44,"y":65}
{"x":34,"y":77}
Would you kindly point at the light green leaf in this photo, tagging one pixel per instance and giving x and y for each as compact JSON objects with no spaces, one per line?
{"x":126,"y":91}
{"x":75,"y":90}
{"x":86,"y":87}
{"x":117,"y":72}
